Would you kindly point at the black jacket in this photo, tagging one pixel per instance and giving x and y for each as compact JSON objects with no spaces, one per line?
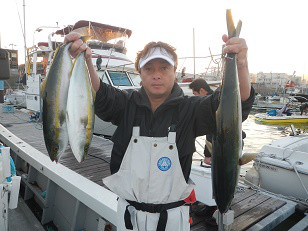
{"x":196,"y":117}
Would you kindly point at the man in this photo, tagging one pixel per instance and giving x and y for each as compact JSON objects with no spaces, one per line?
{"x":99,"y":62}
{"x":155,"y":138}
{"x":201,"y":88}
{"x":304,"y":108}
{"x":284,"y":110}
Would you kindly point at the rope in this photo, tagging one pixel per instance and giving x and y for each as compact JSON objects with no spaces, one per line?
{"x":273,"y":156}
{"x":108,"y":162}
{"x":257,"y":188}
{"x":201,"y":147}
{"x":300,"y":179}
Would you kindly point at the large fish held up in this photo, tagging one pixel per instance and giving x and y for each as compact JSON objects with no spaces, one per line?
{"x":80,"y":109}
{"x":227,"y":142}
{"x":54,"y":92}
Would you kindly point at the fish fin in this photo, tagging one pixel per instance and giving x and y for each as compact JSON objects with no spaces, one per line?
{"x":73,"y":65}
{"x":85,"y":38}
{"x":246,"y":158}
{"x":56,"y":52}
{"x":43,"y":86}
{"x":209,"y":146}
{"x":93,"y":92}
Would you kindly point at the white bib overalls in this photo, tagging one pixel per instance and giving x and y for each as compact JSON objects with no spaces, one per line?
{"x":151,"y":173}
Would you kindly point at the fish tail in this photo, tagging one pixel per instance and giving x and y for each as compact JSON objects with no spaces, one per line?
{"x":232,"y":31}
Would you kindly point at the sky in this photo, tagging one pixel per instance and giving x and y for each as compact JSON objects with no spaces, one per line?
{"x":276,"y":31}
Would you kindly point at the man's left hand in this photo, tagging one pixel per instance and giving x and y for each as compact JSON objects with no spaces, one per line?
{"x":238,"y":46}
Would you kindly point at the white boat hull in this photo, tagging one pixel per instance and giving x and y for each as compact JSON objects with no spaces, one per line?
{"x":283,"y":167}
{"x":282,"y":181}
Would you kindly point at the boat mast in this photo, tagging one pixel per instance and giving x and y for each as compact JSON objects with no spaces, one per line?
{"x":194,"y":53}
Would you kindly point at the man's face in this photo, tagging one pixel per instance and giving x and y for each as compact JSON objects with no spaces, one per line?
{"x":196,"y":93}
{"x":201,"y":92}
{"x":158,"y":78}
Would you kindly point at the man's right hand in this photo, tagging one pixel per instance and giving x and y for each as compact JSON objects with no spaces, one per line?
{"x":207,"y":160}
{"x":78,"y":46}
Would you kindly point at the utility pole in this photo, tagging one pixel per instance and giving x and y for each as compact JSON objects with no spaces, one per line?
{"x":12,"y":46}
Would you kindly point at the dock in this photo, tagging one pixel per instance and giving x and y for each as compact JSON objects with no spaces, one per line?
{"x":77,"y":188}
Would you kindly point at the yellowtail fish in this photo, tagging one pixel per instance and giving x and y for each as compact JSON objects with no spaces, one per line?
{"x":227,"y":142}
{"x":80,"y":109}
{"x":54,"y":92}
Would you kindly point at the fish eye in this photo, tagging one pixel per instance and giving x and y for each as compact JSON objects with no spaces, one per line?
{"x":55,"y":149}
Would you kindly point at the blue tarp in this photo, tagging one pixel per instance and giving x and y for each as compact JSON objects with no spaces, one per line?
{"x":272,"y":112}
{"x":1,"y":85}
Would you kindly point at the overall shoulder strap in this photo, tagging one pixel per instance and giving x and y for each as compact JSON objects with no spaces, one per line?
{"x":173,"y":126}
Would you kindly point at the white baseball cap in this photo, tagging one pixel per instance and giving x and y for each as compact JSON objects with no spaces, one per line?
{"x":156,"y":53}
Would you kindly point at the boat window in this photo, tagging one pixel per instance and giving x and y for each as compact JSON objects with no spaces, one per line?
{"x":119,"y":78}
{"x":104,"y":78}
{"x":135,"y":78}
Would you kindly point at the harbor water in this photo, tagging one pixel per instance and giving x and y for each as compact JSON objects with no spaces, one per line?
{"x":257,"y":135}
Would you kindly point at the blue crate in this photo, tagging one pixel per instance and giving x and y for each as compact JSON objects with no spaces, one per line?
{"x":8,"y":109}
{"x":1,"y":85}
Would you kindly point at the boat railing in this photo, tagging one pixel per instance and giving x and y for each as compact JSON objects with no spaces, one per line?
{"x":61,"y":187}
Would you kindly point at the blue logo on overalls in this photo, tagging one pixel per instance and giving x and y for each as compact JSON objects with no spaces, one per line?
{"x":164,"y":163}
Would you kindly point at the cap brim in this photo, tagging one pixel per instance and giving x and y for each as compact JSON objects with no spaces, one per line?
{"x":141,"y":64}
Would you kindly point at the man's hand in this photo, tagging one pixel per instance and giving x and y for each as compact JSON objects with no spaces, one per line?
{"x":78,"y":46}
{"x":207,"y":160}
{"x":238,"y":46}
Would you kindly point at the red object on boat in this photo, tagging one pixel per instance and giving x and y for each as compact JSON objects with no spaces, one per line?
{"x":290,"y":84}
{"x":42,"y":44}
{"x":187,"y":80}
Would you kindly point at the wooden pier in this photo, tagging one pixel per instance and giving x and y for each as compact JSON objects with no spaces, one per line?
{"x":253,"y":210}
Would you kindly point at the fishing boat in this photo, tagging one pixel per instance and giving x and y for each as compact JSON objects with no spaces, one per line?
{"x":281,"y":167}
{"x":107,"y":43}
{"x":281,"y":120}
{"x":273,"y":102}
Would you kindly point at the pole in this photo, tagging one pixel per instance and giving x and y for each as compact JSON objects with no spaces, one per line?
{"x":194,"y":53}
{"x":24,"y":8}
